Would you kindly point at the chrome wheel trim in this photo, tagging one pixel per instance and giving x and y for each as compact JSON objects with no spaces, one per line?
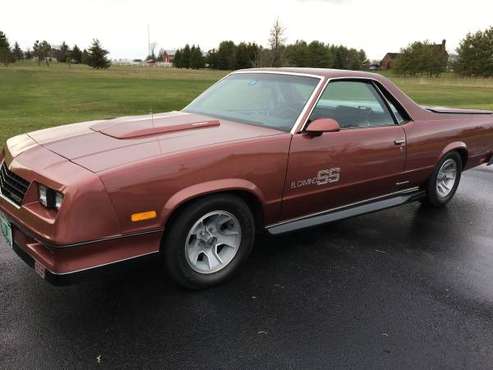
{"x":213,"y":242}
{"x":446,"y":178}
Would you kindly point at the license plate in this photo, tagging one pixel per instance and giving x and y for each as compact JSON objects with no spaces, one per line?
{"x":6,"y":230}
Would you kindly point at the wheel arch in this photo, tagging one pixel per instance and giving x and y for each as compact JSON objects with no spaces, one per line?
{"x":459,"y":147}
{"x":244,"y":189}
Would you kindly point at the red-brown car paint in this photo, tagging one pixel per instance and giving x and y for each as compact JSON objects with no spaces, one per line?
{"x":105,"y":179}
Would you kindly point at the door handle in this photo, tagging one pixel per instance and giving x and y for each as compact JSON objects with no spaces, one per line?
{"x":399,"y":141}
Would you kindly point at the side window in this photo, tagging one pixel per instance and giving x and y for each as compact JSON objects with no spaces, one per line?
{"x":354,"y":104}
{"x":399,"y":113}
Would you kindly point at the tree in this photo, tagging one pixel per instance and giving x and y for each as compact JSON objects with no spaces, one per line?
{"x":422,"y":58}
{"x":5,"y":53}
{"x":475,"y":54}
{"x":242,"y":57}
{"x":97,"y":56}
{"x":298,"y":54}
{"x":246,"y":55}
{"x":197,"y":60}
{"x":226,"y":55}
{"x":62,"y":55}
{"x":177,"y":61}
{"x":17,"y":52}
{"x":28,"y":54}
{"x":76,"y":55}
{"x":85,"y":57}
{"x":186,"y":54}
{"x":319,"y":55}
{"x":41,"y":50}
{"x":276,"y":42}
{"x":254,"y":52}
{"x":211,"y":59}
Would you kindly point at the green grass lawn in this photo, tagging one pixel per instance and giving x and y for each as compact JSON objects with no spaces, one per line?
{"x":33,"y":97}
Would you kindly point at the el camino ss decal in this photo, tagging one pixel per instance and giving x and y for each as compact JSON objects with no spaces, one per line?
{"x":324,"y":177}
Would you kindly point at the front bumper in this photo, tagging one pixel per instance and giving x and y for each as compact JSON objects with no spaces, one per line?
{"x":78,"y":276}
{"x":62,"y":265}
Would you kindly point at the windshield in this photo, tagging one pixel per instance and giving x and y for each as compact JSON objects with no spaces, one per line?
{"x":269,"y":100}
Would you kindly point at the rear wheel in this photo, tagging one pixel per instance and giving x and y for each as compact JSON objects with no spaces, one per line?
{"x":445,"y":180}
{"x":208,"y":241}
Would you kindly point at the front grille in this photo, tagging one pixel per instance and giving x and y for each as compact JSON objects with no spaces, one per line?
{"x":12,"y":187}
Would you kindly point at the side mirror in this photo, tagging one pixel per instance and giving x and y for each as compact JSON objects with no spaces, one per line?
{"x":321,"y":125}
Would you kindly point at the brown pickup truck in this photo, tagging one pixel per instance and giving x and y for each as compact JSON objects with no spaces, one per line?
{"x":263,"y":149}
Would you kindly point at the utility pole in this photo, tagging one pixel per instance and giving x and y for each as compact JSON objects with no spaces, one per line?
{"x":148,"y":40}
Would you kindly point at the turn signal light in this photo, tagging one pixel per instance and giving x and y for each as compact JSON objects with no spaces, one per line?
{"x":143,"y":216}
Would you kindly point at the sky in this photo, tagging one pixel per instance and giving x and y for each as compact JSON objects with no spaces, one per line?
{"x":377,"y":26}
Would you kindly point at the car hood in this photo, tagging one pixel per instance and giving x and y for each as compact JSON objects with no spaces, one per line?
{"x":102,"y":145}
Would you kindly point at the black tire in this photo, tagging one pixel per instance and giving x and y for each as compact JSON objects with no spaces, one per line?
{"x":433,"y":198}
{"x":173,"y":247}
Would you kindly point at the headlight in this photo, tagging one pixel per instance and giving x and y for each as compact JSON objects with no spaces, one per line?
{"x":49,"y":197}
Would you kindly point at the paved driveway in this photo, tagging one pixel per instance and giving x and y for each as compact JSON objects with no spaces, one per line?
{"x":404,"y":288}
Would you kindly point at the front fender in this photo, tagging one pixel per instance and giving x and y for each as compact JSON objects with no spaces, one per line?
{"x":206,"y":188}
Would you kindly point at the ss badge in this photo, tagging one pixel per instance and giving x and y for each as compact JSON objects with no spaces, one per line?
{"x":328,"y":176}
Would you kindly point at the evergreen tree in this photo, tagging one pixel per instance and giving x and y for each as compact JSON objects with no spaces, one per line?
{"x":5,"y":53}
{"x":211,"y":59}
{"x":17,"y":52}
{"x":76,"y":55}
{"x":243,"y":57}
{"x":298,"y":54}
{"x":42,"y":50}
{"x":177,"y":61}
{"x":319,"y":55}
{"x":97,"y":56}
{"x":197,"y":60}
{"x":85,"y":57}
{"x":63,"y":54}
{"x":253,"y":53}
{"x":28,"y":54}
{"x":186,"y":56}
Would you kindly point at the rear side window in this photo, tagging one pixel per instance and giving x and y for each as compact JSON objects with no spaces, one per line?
{"x":354,"y":104}
{"x":400,"y":114}
{"x":396,"y":113}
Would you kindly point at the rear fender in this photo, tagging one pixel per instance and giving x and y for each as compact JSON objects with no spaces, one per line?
{"x":457,"y":145}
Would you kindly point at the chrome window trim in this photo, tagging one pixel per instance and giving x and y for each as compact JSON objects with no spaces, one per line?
{"x":329,"y":80}
{"x":274,"y":72}
{"x":318,"y":91}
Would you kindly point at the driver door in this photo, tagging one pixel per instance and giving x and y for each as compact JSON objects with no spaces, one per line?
{"x":364,"y":160}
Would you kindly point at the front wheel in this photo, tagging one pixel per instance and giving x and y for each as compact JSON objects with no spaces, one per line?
{"x":445,"y":180}
{"x":208,"y":240}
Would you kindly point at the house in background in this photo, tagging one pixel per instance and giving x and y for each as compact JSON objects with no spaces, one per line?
{"x":389,"y":59}
{"x":167,"y":56}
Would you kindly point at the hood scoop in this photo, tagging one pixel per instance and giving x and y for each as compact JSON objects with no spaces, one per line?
{"x":145,"y":126}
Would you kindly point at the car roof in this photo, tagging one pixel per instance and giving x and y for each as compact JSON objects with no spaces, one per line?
{"x":319,"y":72}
